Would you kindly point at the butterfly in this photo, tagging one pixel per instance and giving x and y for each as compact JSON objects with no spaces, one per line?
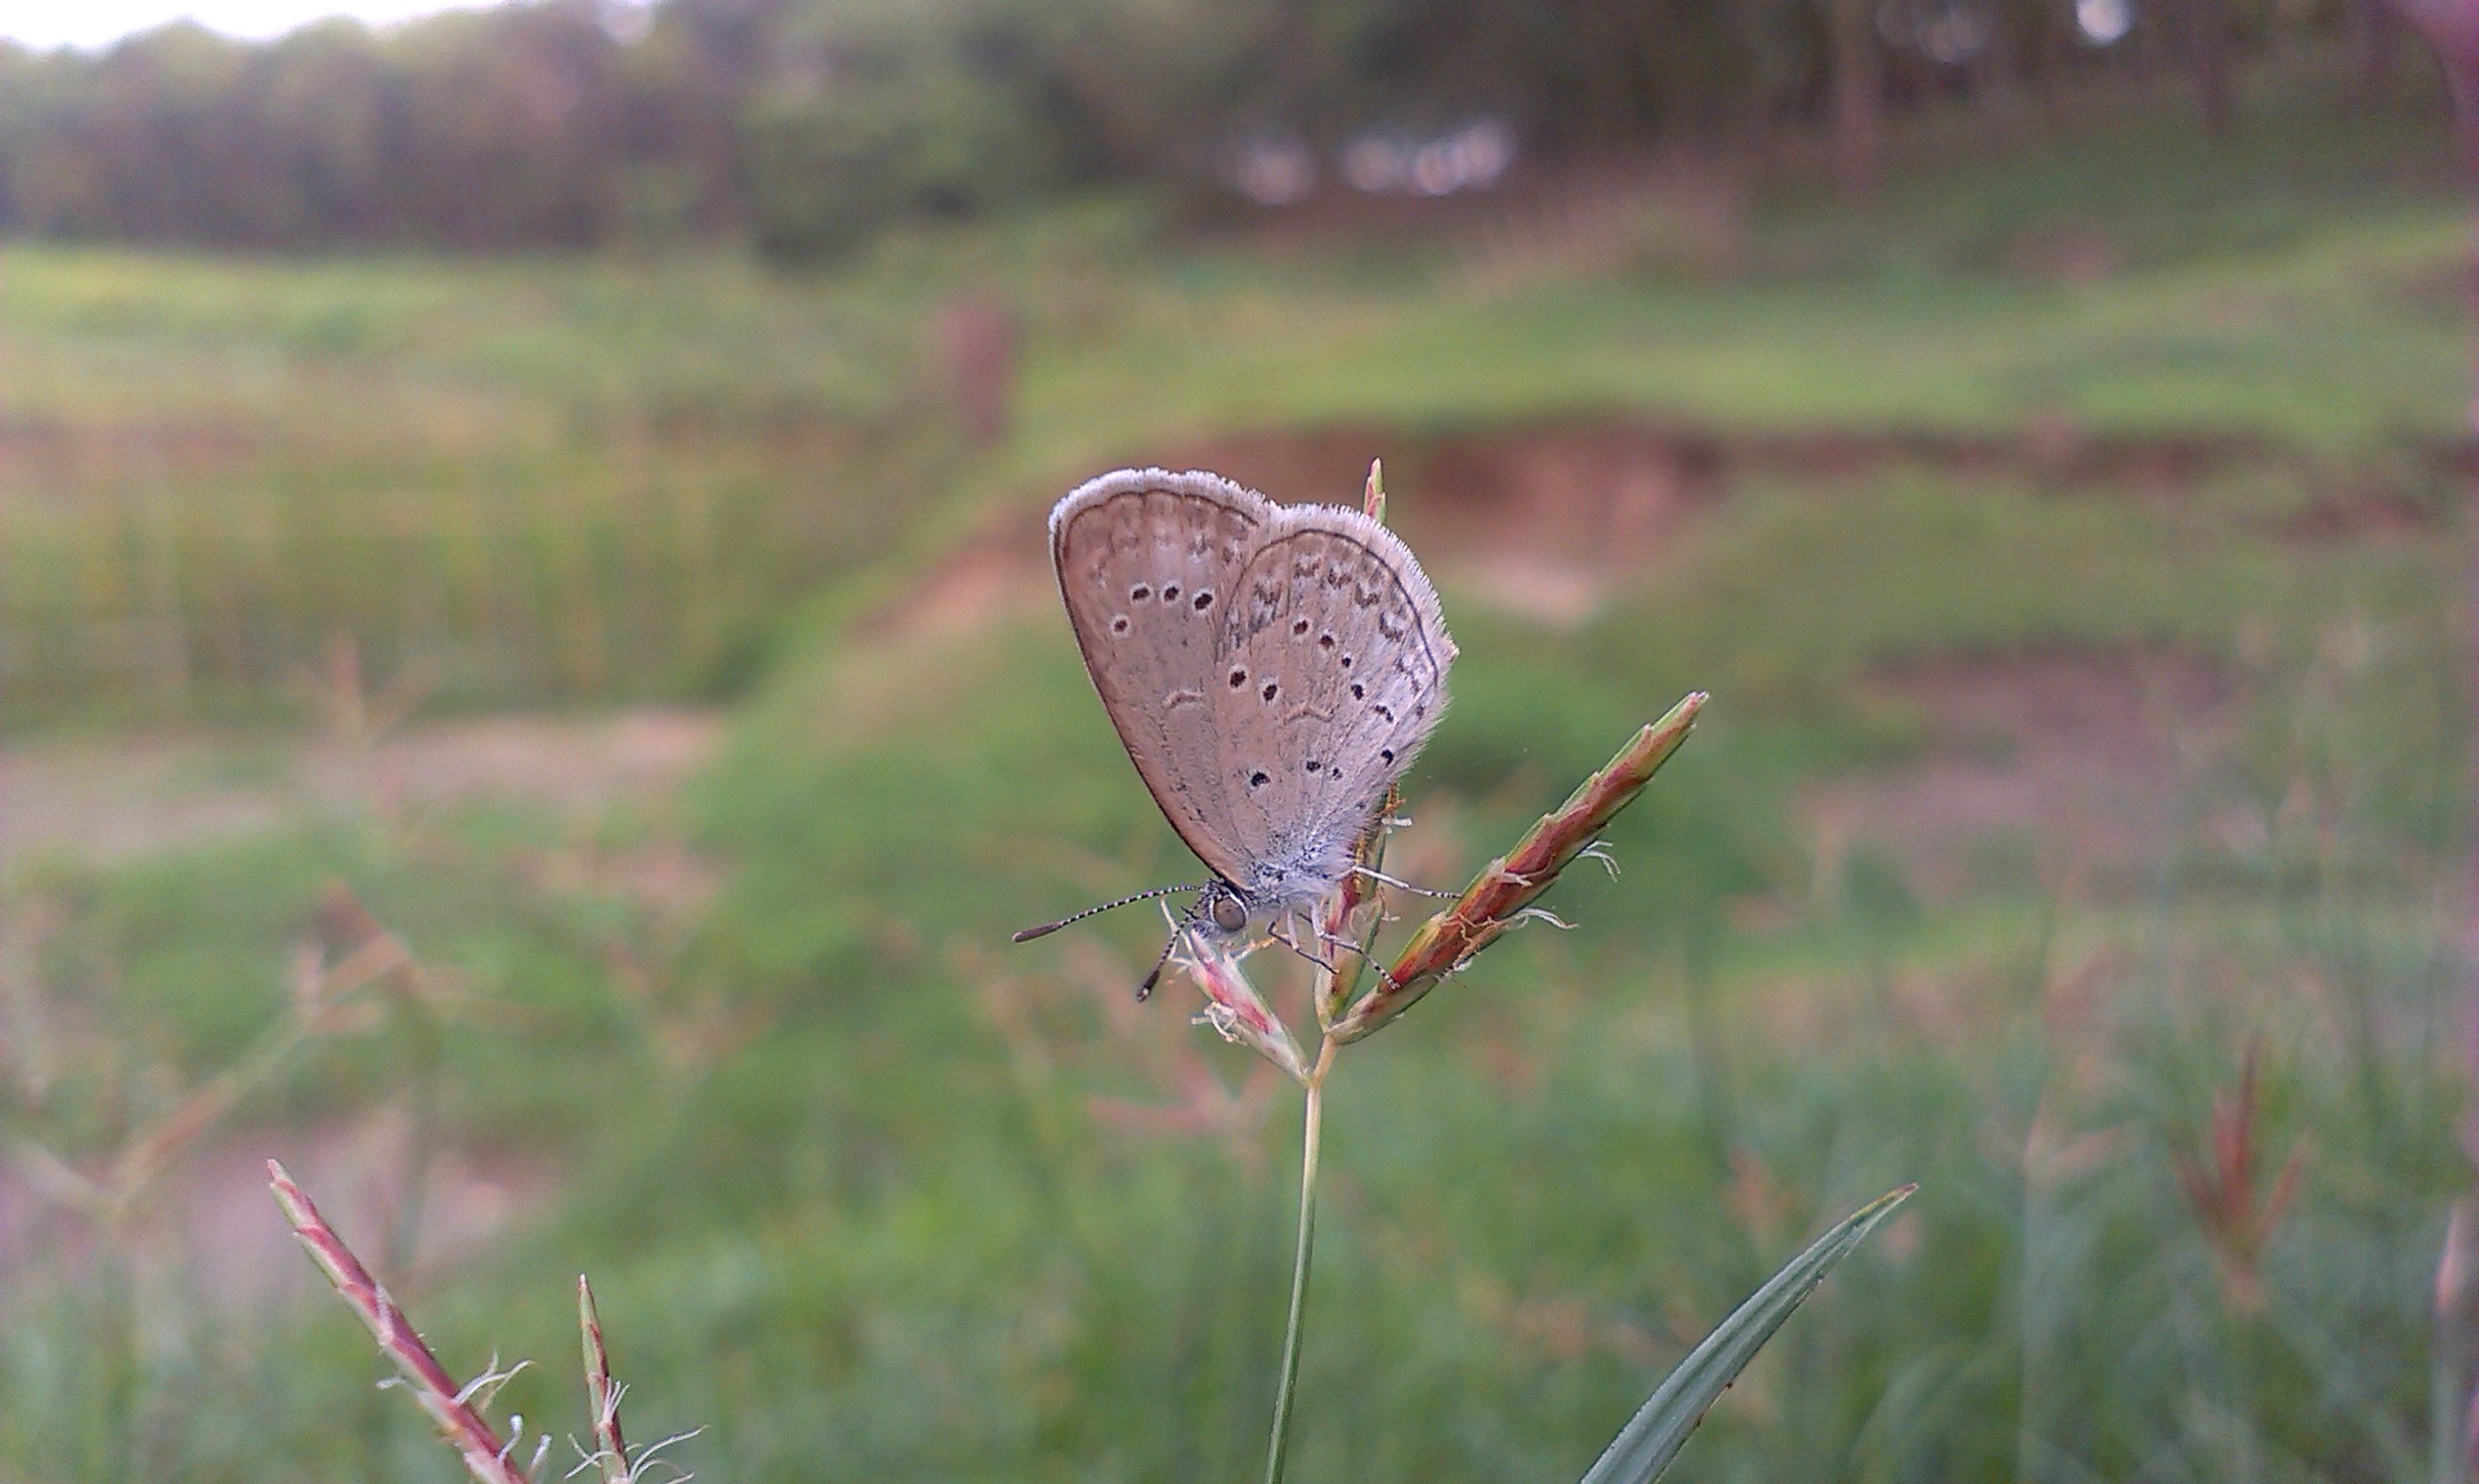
{"x":1270,"y":668}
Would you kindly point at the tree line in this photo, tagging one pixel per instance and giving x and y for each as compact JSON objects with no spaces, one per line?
{"x":805,"y":125}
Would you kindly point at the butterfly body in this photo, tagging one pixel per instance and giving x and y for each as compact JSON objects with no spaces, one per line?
{"x":1270,"y":668}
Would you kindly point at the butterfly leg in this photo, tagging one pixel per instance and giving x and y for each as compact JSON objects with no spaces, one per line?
{"x":1279,"y":936}
{"x":1329,"y":940}
{"x":1383,"y":879}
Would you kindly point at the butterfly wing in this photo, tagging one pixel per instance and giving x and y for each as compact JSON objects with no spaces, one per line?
{"x":1145,"y":562}
{"x":1333,"y":674}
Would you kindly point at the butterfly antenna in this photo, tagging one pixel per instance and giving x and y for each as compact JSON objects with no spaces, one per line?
{"x":1049,"y":928}
{"x":1153,"y":975}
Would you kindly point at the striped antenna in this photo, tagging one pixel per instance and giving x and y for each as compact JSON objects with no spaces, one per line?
{"x":1048,"y":928}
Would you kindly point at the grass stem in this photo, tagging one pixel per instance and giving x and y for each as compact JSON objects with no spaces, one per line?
{"x":1312,"y":1122}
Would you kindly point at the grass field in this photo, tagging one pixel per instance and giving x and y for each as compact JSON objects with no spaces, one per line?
{"x":557,"y":480}
{"x":2089,"y":724}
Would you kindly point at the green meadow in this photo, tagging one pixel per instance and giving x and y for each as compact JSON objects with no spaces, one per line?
{"x":2074,"y":545}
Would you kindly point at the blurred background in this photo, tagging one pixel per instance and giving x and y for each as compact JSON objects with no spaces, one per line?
{"x":530,"y":689}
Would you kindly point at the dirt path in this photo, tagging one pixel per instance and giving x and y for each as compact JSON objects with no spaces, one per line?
{"x":119,"y":798}
{"x":2090,"y":765}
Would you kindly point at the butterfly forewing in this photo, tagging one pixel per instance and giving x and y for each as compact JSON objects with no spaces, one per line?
{"x":1142,"y":560}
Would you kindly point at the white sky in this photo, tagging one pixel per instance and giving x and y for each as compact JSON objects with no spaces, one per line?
{"x":96,"y":23}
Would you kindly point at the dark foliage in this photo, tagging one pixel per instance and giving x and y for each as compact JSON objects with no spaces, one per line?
{"x":806,"y":126}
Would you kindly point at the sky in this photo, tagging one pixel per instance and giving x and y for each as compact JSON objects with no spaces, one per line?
{"x":97,"y":23}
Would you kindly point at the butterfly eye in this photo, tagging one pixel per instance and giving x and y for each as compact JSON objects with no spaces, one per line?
{"x":1229,"y":915}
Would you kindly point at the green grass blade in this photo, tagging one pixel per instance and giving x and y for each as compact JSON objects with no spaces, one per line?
{"x":1659,"y":1429}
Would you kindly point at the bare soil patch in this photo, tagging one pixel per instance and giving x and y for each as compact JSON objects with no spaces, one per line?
{"x":1547,"y":518}
{"x":46,"y":451}
{"x":2075,"y":765}
{"x":211,"y":1235}
{"x":116,"y":799}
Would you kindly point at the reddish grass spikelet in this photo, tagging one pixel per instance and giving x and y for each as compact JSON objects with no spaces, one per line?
{"x":610,"y":1453}
{"x":1499,"y":896}
{"x":2220,"y":1182}
{"x":455,"y":1409}
{"x":450,"y":1406}
{"x":1233,"y":1007}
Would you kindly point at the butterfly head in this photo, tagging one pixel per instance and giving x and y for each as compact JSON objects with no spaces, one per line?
{"x":1221,"y":908}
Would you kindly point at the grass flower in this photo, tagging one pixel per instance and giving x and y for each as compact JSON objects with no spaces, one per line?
{"x":1349,"y":1008}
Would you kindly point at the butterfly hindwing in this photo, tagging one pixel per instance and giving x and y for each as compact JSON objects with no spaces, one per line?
{"x":1346,"y":677}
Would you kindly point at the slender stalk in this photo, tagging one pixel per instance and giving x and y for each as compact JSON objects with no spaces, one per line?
{"x":1313,"y":1121}
{"x":1497,"y":899}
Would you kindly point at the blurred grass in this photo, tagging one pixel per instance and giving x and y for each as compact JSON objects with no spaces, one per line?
{"x":837,"y":1159}
{"x":607,"y":479}
{"x":882,"y":1231}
